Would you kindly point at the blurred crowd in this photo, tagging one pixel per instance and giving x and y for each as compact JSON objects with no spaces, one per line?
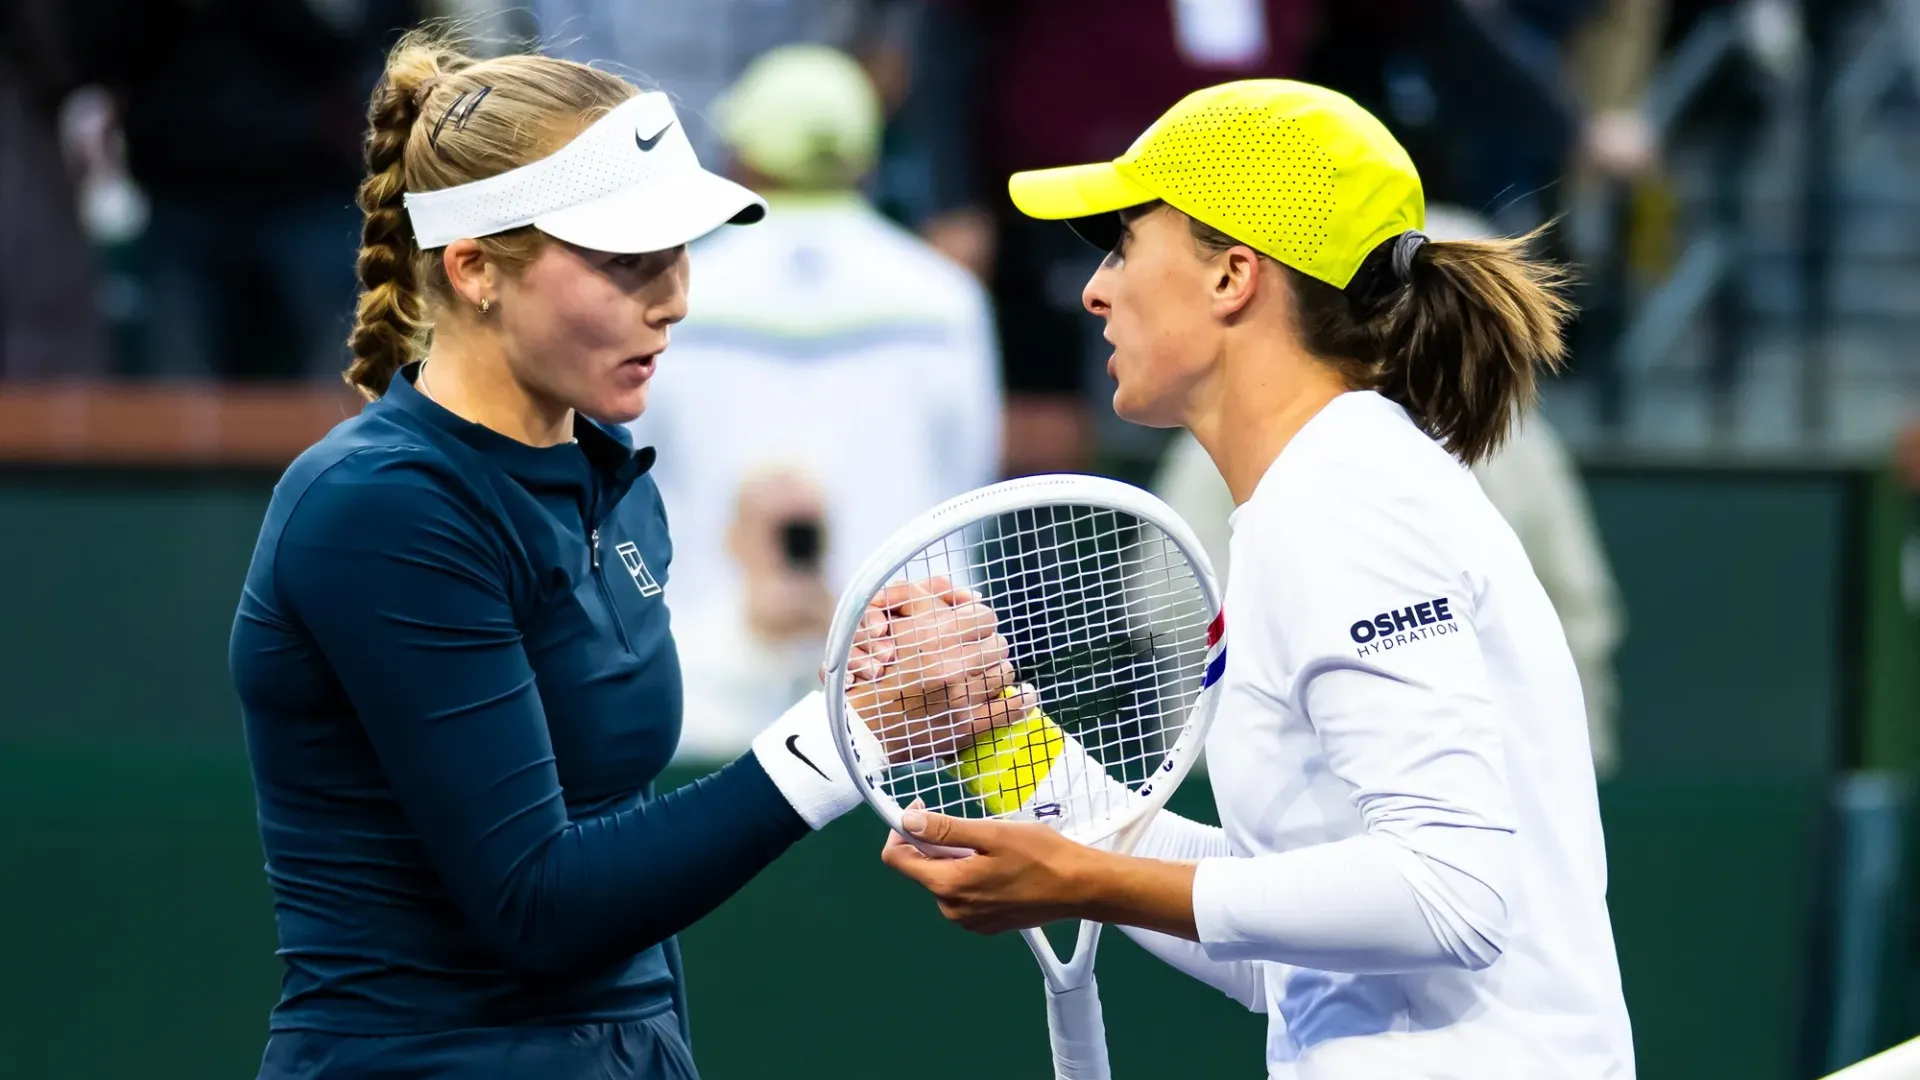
{"x":177,"y":181}
{"x":199,"y":156}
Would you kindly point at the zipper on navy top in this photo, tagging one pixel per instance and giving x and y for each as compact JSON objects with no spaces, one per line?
{"x":606,"y":592}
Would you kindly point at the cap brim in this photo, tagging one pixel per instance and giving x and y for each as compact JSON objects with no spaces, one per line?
{"x":1100,"y":230}
{"x":655,"y":216}
{"x":1076,"y":191}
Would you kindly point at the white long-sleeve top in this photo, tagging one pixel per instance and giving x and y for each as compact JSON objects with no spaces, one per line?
{"x":1534,"y":484}
{"x":1411,"y":879}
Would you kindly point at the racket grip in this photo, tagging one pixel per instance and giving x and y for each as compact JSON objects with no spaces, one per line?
{"x":1079,"y":1033}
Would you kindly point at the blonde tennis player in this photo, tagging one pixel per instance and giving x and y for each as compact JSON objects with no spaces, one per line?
{"x":1410,"y":881}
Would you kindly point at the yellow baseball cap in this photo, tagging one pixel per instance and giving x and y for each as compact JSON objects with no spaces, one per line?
{"x":1291,"y":169}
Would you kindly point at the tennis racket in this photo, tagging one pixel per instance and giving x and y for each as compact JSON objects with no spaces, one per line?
{"x":1112,"y":619}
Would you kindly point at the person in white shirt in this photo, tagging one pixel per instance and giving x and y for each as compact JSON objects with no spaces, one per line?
{"x":1531,"y":480}
{"x":1411,"y":879}
{"x":831,"y":348}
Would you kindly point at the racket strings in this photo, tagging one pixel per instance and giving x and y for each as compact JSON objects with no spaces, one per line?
{"x":1116,"y":617}
{"x":1106,"y":628}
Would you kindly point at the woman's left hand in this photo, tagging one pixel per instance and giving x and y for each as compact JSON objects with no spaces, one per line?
{"x":1020,"y":874}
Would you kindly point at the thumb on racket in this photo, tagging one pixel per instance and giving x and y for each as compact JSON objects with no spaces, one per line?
{"x":916,"y":813}
{"x":947,"y":832}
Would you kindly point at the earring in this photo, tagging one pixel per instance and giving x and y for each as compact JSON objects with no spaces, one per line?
{"x":486,"y":305}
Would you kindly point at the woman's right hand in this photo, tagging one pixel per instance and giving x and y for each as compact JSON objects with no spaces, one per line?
{"x":929,"y":666}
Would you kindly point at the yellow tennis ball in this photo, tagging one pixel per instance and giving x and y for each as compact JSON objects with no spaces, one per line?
{"x":1005,"y":766}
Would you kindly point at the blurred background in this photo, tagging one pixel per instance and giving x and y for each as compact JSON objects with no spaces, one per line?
{"x":1719,"y":493}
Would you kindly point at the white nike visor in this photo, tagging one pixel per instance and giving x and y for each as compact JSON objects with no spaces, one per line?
{"x":629,"y":183}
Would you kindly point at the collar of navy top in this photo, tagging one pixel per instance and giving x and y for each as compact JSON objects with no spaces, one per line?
{"x":608,"y":450}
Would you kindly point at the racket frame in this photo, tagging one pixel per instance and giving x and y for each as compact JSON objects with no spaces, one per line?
{"x":1073,"y":999}
{"x":974,"y":508}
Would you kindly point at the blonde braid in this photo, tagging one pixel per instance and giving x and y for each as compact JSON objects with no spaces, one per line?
{"x":388,"y":319}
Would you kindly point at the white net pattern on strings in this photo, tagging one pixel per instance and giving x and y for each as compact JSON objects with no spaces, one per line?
{"x":1105,"y":623}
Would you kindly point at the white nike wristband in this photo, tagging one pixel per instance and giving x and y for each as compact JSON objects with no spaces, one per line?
{"x":798,"y":753}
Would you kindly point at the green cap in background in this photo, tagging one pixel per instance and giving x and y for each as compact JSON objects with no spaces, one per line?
{"x":804,"y":116}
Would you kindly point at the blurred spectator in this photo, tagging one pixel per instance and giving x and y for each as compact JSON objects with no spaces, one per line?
{"x":695,"y":49}
{"x":836,"y":377}
{"x":1615,"y":56}
{"x":1475,"y":89}
{"x":243,"y":122}
{"x":49,"y":316}
{"x":1534,"y":484}
{"x":113,"y":209}
{"x":745,"y":659}
{"x":1612,"y":60}
{"x":1004,"y":85}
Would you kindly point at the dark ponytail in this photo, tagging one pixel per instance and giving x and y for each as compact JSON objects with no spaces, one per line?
{"x":1455,"y":331}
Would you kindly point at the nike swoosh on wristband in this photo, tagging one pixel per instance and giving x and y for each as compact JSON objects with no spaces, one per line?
{"x":648,"y":144}
{"x":804,"y":760}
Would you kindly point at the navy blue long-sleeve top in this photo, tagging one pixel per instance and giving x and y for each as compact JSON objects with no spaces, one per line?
{"x":458,"y":685}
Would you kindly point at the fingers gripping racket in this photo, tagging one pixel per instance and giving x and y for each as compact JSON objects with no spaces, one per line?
{"x":1110,"y":616}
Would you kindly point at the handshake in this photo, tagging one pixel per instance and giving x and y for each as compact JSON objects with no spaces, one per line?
{"x":929,"y":673}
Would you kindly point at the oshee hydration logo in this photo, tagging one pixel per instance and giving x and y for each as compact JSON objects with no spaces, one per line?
{"x":1392,"y":629}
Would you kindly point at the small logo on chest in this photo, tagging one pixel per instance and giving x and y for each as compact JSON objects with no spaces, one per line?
{"x":643,"y":578}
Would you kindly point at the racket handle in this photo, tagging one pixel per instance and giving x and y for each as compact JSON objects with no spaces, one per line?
{"x":1079,"y":1033}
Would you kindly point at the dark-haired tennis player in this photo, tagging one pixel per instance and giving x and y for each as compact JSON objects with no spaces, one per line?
{"x":452,"y":652}
{"x":1411,"y":880}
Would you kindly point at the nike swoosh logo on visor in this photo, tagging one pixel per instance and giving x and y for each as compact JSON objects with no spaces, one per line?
{"x":795,"y":751}
{"x":648,"y":144}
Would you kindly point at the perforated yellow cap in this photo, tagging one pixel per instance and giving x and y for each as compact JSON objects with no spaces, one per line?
{"x":1294,"y":170}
